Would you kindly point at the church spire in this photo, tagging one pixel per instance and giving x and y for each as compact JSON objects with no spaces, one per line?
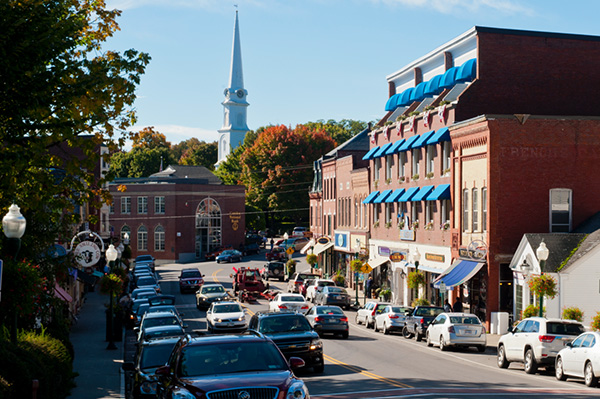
{"x":236,"y":77}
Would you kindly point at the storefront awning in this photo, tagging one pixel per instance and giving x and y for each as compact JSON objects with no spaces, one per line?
{"x":442,"y":134}
{"x":408,"y":143}
{"x":409,"y":194}
{"x":61,"y":293}
{"x":423,"y":193}
{"x":458,"y":273}
{"x":404,"y":98}
{"x":432,"y":86}
{"x":418,"y":93}
{"x":318,"y":248}
{"x":449,"y":78}
{"x":441,"y":192}
{"x":395,"y":147}
{"x":392,"y":102}
{"x":393,"y":197}
{"x":382,"y":150}
{"x":369,"y":154}
{"x":371,"y":197}
{"x":375,"y":263}
{"x":381,"y":197}
{"x":467,"y":71}
{"x":422,"y":141}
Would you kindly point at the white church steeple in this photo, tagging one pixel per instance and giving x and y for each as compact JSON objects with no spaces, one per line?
{"x":235,"y":127}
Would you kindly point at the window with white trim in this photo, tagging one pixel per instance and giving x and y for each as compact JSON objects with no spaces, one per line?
{"x":389,"y":164}
{"x":414,"y":212}
{"x":126,"y":205}
{"x":428,"y":213}
{"x":465,"y":204}
{"x":142,"y":238}
{"x":430,"y":153}
{"x":142,"y":205}
{"x":484,"y":209}
{"x":159,"y":238}
{"x":475,"y":210}
{"x":159,"y":205}
{"x":416,"y":158}
{"x":446,"y":157}
{"x":376,"y":210}
{"x":402,"y":165}
{"x":445,"y":215}
{"x":389,"y":210}
{"x":376,"y":167}
{"x":560,"y":210}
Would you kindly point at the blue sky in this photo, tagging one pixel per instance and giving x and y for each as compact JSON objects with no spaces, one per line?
{"x":303,"y":60}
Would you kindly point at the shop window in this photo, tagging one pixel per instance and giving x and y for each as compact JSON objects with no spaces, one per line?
{"x":560,"y":210}
{"x":475,"y":210}
{"x":465,"y":206}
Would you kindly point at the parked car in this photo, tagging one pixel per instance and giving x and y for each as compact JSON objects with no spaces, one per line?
{"x":297,"y":243}
{"x":302,"y":287}
{"x":277,"y":253}
{"x":209,"y":293}
{"x":391,"y":319}
{"x":293,"y":334}
{"x":145,"y":259}
{"x":143,"y":292}
{"x":274,"y":269}
{"x":230,"y":255}
{"x":328,"y":319}
{"x":229,"y":366}
{"x":190,"y":279}
{"x":226,"y":316}
{"x":297,"y":280}
{"x":580,"y":358}
{"x":458,"y":330}
{"x":332,"y":295}
{"x":212,"y":255}
{"x":155,"y":319}
{"x":319,"y":282}
{"x":293,"y":302}
{"x":150,"y":355}
{"x":150,"y":333}
{"x":299,"y":231}
{"x":147,"y":281}
{"x":536,"y":341}
{"x":418,"y":320}
{"x":366,"y":314}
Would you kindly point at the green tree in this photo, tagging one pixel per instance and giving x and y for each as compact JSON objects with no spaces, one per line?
{"x":201,"y":154}
{"x":149,"y":138}
{"x":140,"y":162}
{"x":340,"y":131}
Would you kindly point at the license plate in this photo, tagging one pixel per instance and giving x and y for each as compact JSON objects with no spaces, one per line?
{"x":470,"y":332}
{"x":337,"y":297}
{"x":332,"y":321}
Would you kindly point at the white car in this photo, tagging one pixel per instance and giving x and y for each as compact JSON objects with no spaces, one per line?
{"x":311,"y":289}
{"x":580,"y":358}
{"x":391,"y":319}
{"x":226,"y":316}
{"x":293,"y":302}
{"x":299,"y":231}
{"x":456,"y":329}
{"x":366,"y":314}
{"x":536,"y":341}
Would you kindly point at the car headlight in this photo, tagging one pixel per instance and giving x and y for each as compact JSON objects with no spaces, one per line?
{"x":182,"y":394}
{"x":297,"y":391}
{"x":218,"y":320}
{"x":148,"y":388}
{"x":316,"y":344}
{"x":241,"y":318}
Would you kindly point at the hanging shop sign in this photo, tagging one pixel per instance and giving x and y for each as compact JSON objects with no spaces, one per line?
{"x":434,"y":257}
{"x":342,"y":241}
{"x":323,"y":240}
{"x":397,"y":257}
{"x":87,"y":253}
{"x":476,"y":250}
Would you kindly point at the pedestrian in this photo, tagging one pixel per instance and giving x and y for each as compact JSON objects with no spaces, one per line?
{"x":271,"y":243}
{"x":447,"y":307}
{"x":368,"y":286}
{"x":457,"y":307}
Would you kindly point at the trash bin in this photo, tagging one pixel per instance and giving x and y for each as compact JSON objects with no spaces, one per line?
{"x":499,"y":323}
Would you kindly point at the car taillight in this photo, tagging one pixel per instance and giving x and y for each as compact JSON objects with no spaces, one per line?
{"x":318,"y":319}
{"x":304,"y":307}
{"x":451,"y":329}
{"x":422,"y":321}
{"x":373,"y":313}
{"x":393,"y":316}
{"x":282,"y":307}
{"x":546,"y":338}
{"x":344,"y":318}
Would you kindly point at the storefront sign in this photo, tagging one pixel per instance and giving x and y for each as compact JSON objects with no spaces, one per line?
{"x":407,"y":235}
{"x":383,"y":251}
{"x":476,"y":250}
{"x":87,"y":253}
{"x":235,"y":220}
{"x":434,"y":257}
{"x":323,"y":240}
{"x":397,"y":257}
{"x":342,"y":240}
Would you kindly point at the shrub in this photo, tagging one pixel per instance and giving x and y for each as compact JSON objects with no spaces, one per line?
{"x":596,"y":322}
{"x":339,"y":279}
{"x":573,"y":313}
{"x":416,"y":279}
{"x":291,"y":266}
{"x":312,"y":259}
{"x":532,"y":311}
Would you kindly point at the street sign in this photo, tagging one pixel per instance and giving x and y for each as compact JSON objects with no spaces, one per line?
{"x":366,"y":268}
{"x":290,"y":251}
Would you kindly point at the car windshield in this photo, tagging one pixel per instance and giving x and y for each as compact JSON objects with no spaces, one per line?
{"x":564,"y":328}
{"x":143,"y":257}
{"x":160,"y":321}
{"x":331,"y":310}
{"x":146,"y":281}
{"x":190,"y":274}
{"x":336,"y":289}
{"x":155,"y":355}
{"x":228,"y":252}
{"x":229,"y":358}
{"x":284,"y":324}
{"x":399,"y":309}
{"x":162,"y":308}
{"x":302,"y":277}
{"x":290,"y":298}
{"x":464,"y":320}
{"x":212,"y":290}
{"x":428,"y":311}
{"x":227,"y":308}
{"x":164,"y":332}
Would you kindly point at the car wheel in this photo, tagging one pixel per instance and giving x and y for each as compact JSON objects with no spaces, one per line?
{"x":558,"y":370}
{"x":375,"y":326}
{"x":530,"y":363}
{"x":319,"y":369}
{"x":418,"y":337}
{"x":428,"y":339}
{"x":357,"y":320}
{"x":481,"y":348}
{"x":443,"y":346}
{"x":502,"y":362}
{"x":369,"y":325}
{"x":281,"y":278}
{"x":345,"y":335}
{"x":385,"y":330}
{"x":405,"y":333}
{"x":590,"y":379}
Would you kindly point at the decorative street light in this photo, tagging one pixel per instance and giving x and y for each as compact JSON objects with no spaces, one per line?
{"x":542,"y":253}
{"x":416,"y":258}
{"x":13,"y":225}
{"x":111,"y":256}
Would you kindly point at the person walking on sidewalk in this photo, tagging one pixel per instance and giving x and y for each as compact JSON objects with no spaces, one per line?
{"x":368,"y":286}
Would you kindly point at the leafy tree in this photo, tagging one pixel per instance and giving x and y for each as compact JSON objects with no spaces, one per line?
{"x":61,"y":97}
{"x":140,"y":162}
{"x":149,"y":138}
{"x":340,"y":131}
{"x":201,"y":154}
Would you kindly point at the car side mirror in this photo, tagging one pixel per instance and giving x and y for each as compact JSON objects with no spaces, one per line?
{"x":569,"y":344}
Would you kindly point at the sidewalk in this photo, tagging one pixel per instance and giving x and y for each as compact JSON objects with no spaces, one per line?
{"x":98,"y":367}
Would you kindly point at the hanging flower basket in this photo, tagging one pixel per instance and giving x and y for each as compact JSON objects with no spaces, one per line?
{"x":416,"y":279}
{"x":543,"y":285}
{"x":356,"y":265}
{"x":110,"y":283}
{"x":312,"y":260}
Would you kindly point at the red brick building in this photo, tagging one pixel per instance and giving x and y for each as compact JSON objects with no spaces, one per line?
{"x":178,"y":214}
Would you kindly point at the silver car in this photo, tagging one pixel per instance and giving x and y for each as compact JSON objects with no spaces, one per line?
{"x":456,"y":329}
{"x":391,"y":319}
{"x":366,"y":314}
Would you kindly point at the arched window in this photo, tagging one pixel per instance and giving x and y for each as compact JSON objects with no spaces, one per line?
{"x":208,"y":225}
{"x":159,"y":238}
{"x":142,"y":238}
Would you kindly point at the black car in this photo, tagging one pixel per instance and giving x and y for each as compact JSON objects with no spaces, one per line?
{"x":328,"y":319}
{"x":146,"y":260}
{"x":229,"y":366}
{"x":151,"y":355}
{"x":274,"y":269}
{"x":293,"y":335}
{"x":332,"y":295}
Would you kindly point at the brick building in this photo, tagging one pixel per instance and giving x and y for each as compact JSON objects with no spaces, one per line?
{"x":178,"y":214}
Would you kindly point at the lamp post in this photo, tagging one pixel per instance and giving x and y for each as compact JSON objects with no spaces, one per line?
{"x":542,"y":253}
{"x":356,"y":251}
{"x":13,"y":225}
{"x":111,"y":256}
{"x":416,"y":258}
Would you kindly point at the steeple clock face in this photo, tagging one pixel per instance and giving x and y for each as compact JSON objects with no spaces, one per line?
{"x":240,"y":93}
{"x":226,"y":92}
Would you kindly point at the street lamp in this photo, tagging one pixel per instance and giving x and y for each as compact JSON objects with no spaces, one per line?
{"x":542,"y":253}
{"x":356,"y":253}
{"x":13,"y":225}
{"x":111,"y":256}
{"x":416,"y":258}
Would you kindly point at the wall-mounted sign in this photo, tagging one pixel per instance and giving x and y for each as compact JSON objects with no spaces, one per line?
{"x":342,"y":241}
{"x":383,"y":251}
{"x":397,"y":257}
{"x":407,"y":235}
{"x":476,"y":250}
{"x":235,"y":220}
{"x":323,"y":240}
{"x":434,"y":257}
{"x":87,"y":253}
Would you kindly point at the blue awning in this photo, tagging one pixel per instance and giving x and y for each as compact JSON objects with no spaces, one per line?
{"x":467,"y":72}
{"x":408,"y":143}
{"x":423,"y":139}
{"x":404,"y":98}
{"x":395,"y":195}
{"x":423,"y":193}
{"x":382,"y":150}
{"x":371,"y":197}
{"x":381,"y":197}
{"x":394,"y":148}
{"x":369,"y":155}
{"x":458,"y":273}
{"x":408,"y":195}
{"x":441,"y":135}
{"x":449,"y":78}
{"x":392,"y":102}
{"x":418,"y":93}
{"x":441,"y":192}
{"x":432,"y":87}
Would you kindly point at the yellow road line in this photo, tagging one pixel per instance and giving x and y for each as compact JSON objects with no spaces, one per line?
{"x":366,"y":373}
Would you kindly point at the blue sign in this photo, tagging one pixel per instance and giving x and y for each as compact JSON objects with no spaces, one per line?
{"x":341,"y":240}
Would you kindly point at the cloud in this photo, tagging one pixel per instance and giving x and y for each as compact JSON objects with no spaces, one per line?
{"x":453,"y":6}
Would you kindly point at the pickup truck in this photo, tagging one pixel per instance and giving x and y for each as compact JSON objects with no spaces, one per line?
{"x":418,"y":320}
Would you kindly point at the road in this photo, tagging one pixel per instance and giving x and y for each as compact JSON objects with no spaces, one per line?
{"x":370,"y":364}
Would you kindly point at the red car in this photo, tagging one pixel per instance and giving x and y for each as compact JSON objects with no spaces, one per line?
{"x":277,"y":253}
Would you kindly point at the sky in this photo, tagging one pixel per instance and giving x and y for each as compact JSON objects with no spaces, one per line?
{"x":303,"y":60}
